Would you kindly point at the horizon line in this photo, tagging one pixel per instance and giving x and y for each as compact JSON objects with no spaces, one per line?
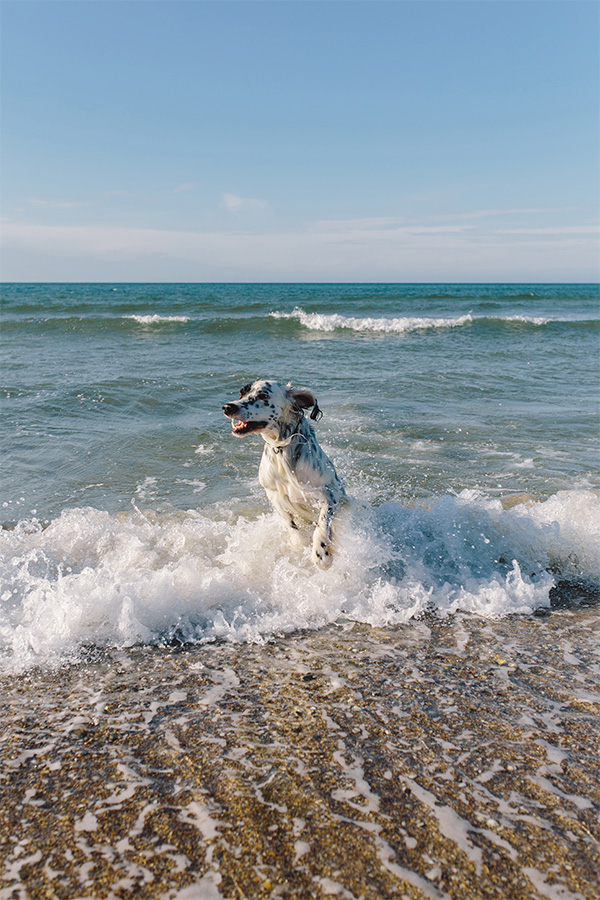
{"x":261,"y":281}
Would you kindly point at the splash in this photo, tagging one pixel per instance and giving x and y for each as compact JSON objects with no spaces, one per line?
{"x":91,"y":578}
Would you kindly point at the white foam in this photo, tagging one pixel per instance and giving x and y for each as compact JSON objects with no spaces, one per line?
{"x":526,"y":320}
{"x":156,"y":319}
{"x":360,"y":797}
{"x":204,"y":889}
{"x":94,"y":578}
{"x":450,"y":824}
{"x":321,"y":322}
{"x":551,"y":890}
{"x":401,"y":325}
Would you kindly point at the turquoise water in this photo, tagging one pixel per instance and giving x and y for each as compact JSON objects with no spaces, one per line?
{"x":131,"y":513}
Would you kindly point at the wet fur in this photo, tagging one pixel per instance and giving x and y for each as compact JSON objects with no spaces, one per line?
{"x":299,"y":478}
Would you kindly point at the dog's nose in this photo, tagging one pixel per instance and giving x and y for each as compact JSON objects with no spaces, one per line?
{"x":229,"y":409}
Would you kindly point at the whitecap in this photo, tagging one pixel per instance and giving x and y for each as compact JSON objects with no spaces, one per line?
{"x":401,"y":325}
{"x":91,"y":578}
{"x":404,"y":324}
{"x":156,"y":319}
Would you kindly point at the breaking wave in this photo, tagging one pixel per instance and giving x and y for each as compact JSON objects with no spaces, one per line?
{"x":90,"y":578}
{"x":322,"y":322}
{"x":156,"y":319}
{"x":402,"y":325}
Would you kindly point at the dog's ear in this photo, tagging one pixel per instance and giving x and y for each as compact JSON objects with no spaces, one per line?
{"x":304,"y":399}
{"x":316,"y":414}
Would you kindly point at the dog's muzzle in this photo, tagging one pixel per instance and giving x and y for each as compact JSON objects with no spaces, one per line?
{"x":239,"y":427}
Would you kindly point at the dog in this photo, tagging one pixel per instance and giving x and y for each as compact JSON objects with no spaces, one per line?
{"x":299,"y":478}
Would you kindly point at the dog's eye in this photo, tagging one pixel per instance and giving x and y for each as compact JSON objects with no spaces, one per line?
{"x":261,"y":396}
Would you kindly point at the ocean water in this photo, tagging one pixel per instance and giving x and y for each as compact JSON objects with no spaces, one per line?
{"x":462,"y":418}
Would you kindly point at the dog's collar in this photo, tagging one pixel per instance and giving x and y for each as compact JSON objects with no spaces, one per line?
{"x":281,"y":445}
{"x":278,"y":448}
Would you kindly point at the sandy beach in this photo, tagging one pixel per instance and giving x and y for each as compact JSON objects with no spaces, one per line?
{"x":445,"y":758}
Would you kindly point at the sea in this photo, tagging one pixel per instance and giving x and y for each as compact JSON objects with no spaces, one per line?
{"x":463,"y":419}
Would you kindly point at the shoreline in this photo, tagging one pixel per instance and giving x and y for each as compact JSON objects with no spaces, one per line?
{"x":455,"y":757}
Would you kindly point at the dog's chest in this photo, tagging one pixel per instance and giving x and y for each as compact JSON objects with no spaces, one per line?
{"x":274,"y":469}
{"x":276,"y":474}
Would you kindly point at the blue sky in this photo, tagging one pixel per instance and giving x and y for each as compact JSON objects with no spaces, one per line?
{"x":217,"y":140}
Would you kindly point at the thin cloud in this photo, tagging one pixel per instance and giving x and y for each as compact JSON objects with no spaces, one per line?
{"x":42,"y":252}
{"x":185,"y":188}
{"x":52,"y":204}
{"x":118,"y":193}
{"x":383,"y":227}
{"x":354,"y":224}
{"x":235,"y":203}
{"x":492,"y":213}
{"x":554,"y":230}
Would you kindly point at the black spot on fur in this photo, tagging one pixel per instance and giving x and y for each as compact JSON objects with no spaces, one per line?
{"x":246,"y":389}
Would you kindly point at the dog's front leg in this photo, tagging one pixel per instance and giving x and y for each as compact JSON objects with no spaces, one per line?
{"x":287,"y":517}
{"x":322,"y":553}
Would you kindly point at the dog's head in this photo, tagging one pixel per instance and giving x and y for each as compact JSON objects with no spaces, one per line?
{"x":270,"y":407}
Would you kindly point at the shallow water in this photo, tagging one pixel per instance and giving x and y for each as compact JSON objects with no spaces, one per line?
{"x":452,"y":758}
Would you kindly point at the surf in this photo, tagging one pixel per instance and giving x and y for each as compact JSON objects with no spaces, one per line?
{"x":93,"y":579}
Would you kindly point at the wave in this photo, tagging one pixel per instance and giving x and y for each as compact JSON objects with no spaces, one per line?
{"x":405,"y":324}
{"x":156,"y":319}
{"x":92,"y":579}
{"x":88,"y":324}
{"x":258,"y":322}
{"x":400,"y":325}
{"x":333,"y":322}
{"x":525,"y":320}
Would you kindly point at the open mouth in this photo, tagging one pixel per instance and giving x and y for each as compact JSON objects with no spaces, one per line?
{"x":238,"y":427}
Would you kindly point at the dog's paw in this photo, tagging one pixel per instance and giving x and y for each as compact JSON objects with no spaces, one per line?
{"x":322,"y":554}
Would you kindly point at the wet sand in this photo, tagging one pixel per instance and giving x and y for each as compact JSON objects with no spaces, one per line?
{"x":446,"y":758}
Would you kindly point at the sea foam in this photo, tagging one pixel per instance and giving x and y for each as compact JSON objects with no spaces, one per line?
{"x":400,"y":325}
{"x":156,"y":319}
{"x":92,"y":578}
{"x":322,"y":322}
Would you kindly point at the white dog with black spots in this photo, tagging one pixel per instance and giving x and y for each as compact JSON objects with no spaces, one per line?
{"x":299,"y":478}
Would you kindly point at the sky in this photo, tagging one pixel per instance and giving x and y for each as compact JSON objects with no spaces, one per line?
{"x":300,"y":140}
